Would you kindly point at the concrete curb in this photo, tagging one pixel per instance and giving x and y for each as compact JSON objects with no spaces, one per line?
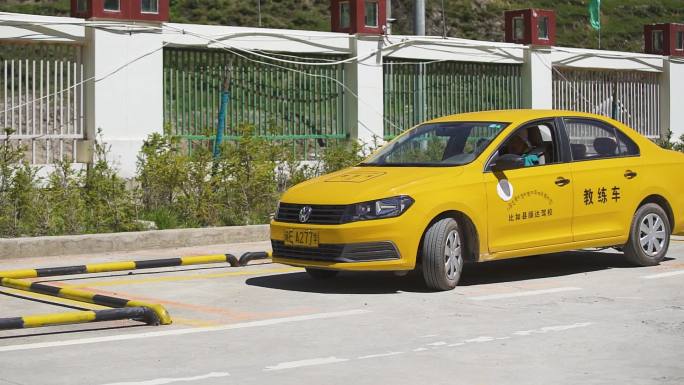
{"x":103,"y":243}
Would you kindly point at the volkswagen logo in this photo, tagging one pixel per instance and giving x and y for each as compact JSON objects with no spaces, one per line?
{"x":305,"y":213}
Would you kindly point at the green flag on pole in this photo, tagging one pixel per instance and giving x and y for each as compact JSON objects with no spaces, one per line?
{"x":595,"y":14}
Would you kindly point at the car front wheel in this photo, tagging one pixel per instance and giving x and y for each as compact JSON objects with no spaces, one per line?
{"x":649,"y":236}
{"x":442,"y":254}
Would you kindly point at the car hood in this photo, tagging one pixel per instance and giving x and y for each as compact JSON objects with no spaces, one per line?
{"x":359,"y":184}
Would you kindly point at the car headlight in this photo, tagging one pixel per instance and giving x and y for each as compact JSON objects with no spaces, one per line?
{"x":378,"y":209}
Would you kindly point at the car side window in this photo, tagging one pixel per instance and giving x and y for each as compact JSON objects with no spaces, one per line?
{"x":626,"y":145}
{"x":592,"y":139}
{"x":534,"y":142}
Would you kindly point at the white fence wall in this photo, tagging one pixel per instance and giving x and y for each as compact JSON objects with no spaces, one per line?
{"x":41,"y":98}
{"x":123,"y":68}
{"x":632,"y":96}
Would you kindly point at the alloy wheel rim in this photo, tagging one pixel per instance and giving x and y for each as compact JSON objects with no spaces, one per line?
{"x":652,"y":234}
{"x":452,"y":255}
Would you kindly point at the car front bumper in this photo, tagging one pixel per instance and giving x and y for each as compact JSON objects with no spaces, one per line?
{"x":374,"y":245}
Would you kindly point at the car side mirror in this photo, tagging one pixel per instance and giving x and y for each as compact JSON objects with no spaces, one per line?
{"x":508,"y":162}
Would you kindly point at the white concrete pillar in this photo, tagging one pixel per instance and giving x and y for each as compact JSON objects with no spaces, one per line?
{"x":126,"y":105}
{"x":365,"y":78}
{"x":672,"y":97}
{"x":537,"y":75}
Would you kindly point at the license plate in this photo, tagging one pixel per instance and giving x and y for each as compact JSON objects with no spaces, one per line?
{"x":303,"y":238}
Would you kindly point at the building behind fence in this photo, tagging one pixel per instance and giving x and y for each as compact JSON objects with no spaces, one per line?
{"x":63,"y":79}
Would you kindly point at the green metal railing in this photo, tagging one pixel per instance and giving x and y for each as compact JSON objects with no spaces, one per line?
{"x":285,"y":102}
{"x":418,"y":91}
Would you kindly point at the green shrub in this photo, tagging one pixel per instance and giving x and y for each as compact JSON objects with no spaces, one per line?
{"x":241,"y":186}
{"x":163,"y":217}
{"x":66,"y":201}
{"x":24,"y":202}
{"x":162,"y":170}
{"x":175,"y":187}
{"x":246,"y":179}
{"x":197,"y":200}
{"x":110,"y":206}
{"x":19,"y":208}
{"x":667,"y":142}
{"x":65,"y":206}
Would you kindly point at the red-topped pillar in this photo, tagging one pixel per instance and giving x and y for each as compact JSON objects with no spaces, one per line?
{"x":139,"y":10}
{"x":530,"y":26}
{"x":665,"y":39}
{"x":359,"y":16}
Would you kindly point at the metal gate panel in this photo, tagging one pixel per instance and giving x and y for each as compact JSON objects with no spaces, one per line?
{"x":288,"y":102}
{"x":631,"y":97}
{"x":41,"y":99}
{"x":418,"y":91}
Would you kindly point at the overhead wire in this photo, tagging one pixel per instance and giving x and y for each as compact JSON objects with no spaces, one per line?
{"x":228,"y":48}
{"x":560,"y":74}
{"x":224,"y":46}
{"x":278,"y":57}
{"x":92,"y":78}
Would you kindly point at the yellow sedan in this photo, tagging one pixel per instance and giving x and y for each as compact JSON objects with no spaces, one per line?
{"x":484,"y":186}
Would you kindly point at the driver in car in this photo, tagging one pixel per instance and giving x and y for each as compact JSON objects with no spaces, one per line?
{"x":520,"y":145}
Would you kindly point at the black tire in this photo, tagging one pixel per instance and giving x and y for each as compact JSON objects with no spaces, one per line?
{"x":651,"y":216}
{"x":440,"y":270}
{"x":321,"y":274}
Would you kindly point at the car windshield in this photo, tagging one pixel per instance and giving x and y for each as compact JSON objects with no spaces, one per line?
{"x":438,"y":144}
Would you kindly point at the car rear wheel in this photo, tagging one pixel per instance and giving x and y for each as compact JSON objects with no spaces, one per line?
{"x":321,"y":274}
{"x":649,"y":236}
{"x":442,"y":254}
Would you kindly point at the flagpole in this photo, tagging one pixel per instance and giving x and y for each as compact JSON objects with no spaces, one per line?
{"x":600,"y":27}
{"x":595,"y":18}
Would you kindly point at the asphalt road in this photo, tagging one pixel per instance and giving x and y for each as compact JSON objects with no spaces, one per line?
{"x":581,"y":317}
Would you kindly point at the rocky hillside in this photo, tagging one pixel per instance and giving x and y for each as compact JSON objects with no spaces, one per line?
{"x":623,"y":20}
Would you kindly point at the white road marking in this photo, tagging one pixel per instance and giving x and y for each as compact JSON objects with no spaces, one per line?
{"x":436,"y":345}
{"x":311,"y":362}
{"x":524,"y":293}
{"x":379,"y":355}
{"x":664,"y":275}
{"x":163,"y":381}
{"x":481,"y":339}
{"x":547,"y":329}
{"x":177,"y":332}
{"x":429,"y":336}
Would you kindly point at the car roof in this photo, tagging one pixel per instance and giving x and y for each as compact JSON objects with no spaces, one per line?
{"x":513,"y":116}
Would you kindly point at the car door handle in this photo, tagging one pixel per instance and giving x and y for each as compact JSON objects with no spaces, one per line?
{"x":560,"y":181}
{"x":629,"y":174}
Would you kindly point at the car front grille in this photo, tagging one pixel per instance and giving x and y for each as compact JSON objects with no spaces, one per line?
{"x":352,"y":252}
{"x":320,"y":214}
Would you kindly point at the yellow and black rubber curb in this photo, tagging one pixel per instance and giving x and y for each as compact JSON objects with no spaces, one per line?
{"x":251,"y":256}
{"x":121,"y":266}
{"x":150,"y":313}
{"x":136,"y":265}
{"x":138,"y":313}
{"x":85,"y":296}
